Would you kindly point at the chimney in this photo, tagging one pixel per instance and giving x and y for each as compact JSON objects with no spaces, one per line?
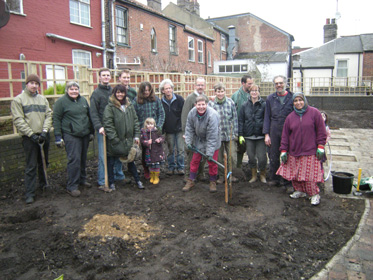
{"x":330,"y":30}
{"x":231,"y":41}
{"x":155,"y":4}
{"x":191,"y":6}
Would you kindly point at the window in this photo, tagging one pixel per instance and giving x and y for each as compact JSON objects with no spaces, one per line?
{"x":223,"y":43}
{"x":233,"y":68}
{"x":122,"y":25}
{"x":80,"y":12}
{"x":58,"y":75}
{"x":342,"y":69}
{"x":191,"y":49}
{"x":153,"y":40}
{"x":200,"y":51}
{"x":15,"y":6}
{"x":209,"y":58}
{"x":172,"y":35}
{"x":83,"y":58}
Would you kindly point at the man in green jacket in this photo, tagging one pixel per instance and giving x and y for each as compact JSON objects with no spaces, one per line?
{"x":32,"y":117}
{"x":239,"y":98}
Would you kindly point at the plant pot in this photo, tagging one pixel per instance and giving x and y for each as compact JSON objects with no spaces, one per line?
{"x":342,"y":182}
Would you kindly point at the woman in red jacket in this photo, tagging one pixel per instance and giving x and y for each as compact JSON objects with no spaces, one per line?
{"x":302,"y":148}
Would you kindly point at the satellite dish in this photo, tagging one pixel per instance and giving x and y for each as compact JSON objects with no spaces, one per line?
{"x":4,"y":13}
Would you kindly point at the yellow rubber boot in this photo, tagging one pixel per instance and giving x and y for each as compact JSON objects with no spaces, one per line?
{"x":155,"y":178}
{"x":152,"y":176}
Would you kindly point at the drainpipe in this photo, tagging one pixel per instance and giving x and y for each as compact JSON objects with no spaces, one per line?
{"x":113,"y":39}
{"x":103,"y":32}
{"x":206,"y":58}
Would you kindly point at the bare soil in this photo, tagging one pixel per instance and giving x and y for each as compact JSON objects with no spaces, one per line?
{"x":163,"y":233}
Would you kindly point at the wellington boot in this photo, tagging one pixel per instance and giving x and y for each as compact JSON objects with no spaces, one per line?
{"x":262,"y":176}
{"x":152,"y":175}
{"x":155,"y":178}
{"x":254,"y":175}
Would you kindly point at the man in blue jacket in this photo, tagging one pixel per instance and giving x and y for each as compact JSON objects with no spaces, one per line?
{"x":278,"y":106}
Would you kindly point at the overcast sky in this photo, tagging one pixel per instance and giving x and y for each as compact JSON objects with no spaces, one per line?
{"x":302,"y":19}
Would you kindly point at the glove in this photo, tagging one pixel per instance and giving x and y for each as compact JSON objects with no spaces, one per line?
{"x":59,"y":141}
{"x":241,"y":140}
{"x":320,"y":152}
{"x":210,"y":158}
{"x":190,"y":147}
{"x":35,"y":138}
{"x":284,"y":157}
{"x":42,"y":137}
{"x":91,"y":137}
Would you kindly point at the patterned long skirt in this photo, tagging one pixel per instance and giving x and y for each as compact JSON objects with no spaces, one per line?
{"x":304,"y":172}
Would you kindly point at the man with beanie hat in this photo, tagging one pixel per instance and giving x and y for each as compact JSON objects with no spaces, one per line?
{"x":32,"y":117}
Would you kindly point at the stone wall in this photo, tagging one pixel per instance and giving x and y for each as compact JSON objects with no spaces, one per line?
{"x":12,"y":158}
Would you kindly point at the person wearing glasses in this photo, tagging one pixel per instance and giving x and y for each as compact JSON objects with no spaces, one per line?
{"x":278,"y":106}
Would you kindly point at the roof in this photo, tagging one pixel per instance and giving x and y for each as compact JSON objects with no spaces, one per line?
{"x":323,"y":56}
{"x":264,"y":57}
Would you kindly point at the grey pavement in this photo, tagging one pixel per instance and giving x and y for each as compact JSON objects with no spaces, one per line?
{"x":352,"y":149}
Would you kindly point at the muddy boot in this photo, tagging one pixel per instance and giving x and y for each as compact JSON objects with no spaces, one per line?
{"x":212,"y":186}
{"x":151,"y":177}
{"x":155,"y":178}
{"x":189,"y":185}
{"x":262,"y":176}
{"x":254,"y":175}
{"x":239,"y":160}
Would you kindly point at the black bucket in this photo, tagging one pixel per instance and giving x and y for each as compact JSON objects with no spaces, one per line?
{"x":342,"y":182}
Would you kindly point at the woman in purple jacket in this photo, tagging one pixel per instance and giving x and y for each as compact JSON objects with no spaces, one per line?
{"x":302,"y":148}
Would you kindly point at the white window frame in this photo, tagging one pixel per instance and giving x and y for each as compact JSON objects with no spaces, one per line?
{"x":343,"y":69}
{"x":82,"y":7}
{"x":121,"y":24}
{"x":209,"y":59}
{"x":191,"y":50}
{"x":172,"y":38}
{"x":59,"y":74}
{"x":77,"y":60}
{"x":200,"y":51}
{"x":17,"y":3}
{"x":153,"y":40}
{"x":223,"y":42}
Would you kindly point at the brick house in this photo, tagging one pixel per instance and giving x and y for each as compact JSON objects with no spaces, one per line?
{"x":53,"y":31}
{"x":144,"y":38}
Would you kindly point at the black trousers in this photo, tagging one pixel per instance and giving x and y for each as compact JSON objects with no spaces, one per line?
{"x":34,"y":164}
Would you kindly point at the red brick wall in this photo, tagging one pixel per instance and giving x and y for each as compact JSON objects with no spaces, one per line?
{"x":368,"y":64}
{"x":162,"y":60}
{"x":27,"y":34}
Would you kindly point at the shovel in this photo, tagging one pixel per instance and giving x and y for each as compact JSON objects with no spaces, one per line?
{"x":214,"y":161}
{"x":41,"y":145}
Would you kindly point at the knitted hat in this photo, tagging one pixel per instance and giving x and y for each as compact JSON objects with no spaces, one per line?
{"x":33,"y":77}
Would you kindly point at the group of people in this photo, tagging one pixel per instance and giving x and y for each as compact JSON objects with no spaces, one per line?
{"x":196,"y":130}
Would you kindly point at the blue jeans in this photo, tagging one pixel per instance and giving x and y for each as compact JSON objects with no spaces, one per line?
{"x":111,"y":161}
{"x":175,"y":143}
{"x":118,"y":172}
